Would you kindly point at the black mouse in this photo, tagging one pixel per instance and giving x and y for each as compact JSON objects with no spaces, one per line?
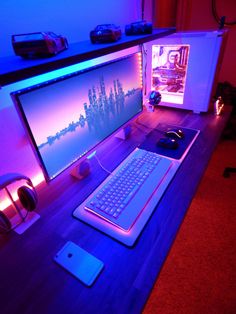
{"x":175,"y":133}
{"x":168,"y":142}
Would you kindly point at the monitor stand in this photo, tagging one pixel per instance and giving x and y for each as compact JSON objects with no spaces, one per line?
{"x":18,"y":219}
{"x":31,"y":218}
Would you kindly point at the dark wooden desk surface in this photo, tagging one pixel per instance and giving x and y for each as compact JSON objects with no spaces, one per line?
{"x":30,"y":281}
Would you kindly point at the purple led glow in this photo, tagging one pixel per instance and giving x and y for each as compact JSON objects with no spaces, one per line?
{"x":69,"y":117}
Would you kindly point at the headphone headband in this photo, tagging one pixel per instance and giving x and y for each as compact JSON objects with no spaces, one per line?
{"x":11,"y":177}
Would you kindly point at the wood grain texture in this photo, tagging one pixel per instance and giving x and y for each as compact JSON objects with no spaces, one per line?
{"x":31,"y":282}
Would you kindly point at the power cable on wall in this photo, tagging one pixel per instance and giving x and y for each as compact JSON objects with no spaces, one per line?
{"x":220,"y":20}
{"x":142,"y":8}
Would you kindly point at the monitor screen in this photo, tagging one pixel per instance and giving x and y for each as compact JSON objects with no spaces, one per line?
{"x":67,"y":117}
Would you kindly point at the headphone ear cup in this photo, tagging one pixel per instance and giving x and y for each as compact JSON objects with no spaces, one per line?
{"x":27,"y":197}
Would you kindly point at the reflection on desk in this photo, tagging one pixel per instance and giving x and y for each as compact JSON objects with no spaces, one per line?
{"x":28,"y":273}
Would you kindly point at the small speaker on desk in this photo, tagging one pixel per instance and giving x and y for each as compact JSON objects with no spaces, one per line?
{"x":81,"y":170}
{"x":124,"y":133}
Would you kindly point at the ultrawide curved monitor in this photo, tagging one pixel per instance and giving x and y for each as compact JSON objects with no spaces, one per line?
{"x":67,"y":117}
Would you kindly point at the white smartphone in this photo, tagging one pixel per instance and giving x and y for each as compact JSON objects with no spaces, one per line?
{"x":79,"y":263}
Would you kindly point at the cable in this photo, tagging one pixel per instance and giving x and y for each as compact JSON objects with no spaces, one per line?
{"x":220,"y":20}
{"x":100,"y":164}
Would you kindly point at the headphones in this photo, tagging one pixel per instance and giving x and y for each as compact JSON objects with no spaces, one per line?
{"x":26,"y":194}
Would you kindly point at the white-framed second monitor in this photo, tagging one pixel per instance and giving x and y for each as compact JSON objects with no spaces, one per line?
{"x":183,"y":67}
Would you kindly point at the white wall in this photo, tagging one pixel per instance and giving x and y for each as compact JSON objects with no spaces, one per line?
{"x":72,"y":18}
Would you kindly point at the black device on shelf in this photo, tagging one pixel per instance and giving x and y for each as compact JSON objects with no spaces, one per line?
{"x":105,"y":33}
{"x":138,"y":28}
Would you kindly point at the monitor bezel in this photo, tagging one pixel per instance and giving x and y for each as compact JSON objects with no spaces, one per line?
{"x":15,"y":97}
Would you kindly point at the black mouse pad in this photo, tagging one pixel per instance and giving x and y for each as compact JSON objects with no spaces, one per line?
{"x":153,"y":137}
